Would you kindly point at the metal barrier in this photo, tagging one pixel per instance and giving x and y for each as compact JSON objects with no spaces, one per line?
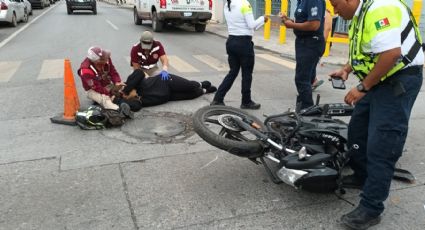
{"x":268,"y":11}
{"x":270,"y":8}
{"x":416,"y":10}
{"x":331,"y":38}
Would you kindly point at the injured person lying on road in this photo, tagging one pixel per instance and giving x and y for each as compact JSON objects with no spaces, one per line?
{"x":141,"y":91}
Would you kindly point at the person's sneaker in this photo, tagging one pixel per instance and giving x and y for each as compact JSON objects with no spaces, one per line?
{"x":217,"y":103}
{"x":251,"y":105}
{"x":205,"y":84}
{"x":360,"y":219}
{"x":211,"y":89}
{"x":316,"y":84}
{"x":126,"y":110}
{"x":352,"y":181}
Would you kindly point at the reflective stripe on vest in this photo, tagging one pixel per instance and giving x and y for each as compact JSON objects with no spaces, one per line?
{"x":148,"y":66}
{"x":86,"y":71}
{"x":362,"y":63}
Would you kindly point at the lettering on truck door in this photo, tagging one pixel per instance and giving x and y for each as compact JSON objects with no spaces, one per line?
{"x":189,"y":5}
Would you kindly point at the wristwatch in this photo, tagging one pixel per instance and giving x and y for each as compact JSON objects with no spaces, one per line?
{"x":360,"y":87}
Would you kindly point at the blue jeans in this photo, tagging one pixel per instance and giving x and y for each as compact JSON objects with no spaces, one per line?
{"x":308,"y":51}
{"x":379,"y":126}
{"x":240,"y":50}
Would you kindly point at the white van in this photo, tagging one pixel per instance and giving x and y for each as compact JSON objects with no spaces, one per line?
{"x":193,"y":12}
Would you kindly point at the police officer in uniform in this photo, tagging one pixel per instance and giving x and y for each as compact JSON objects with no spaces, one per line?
{"x":387,"y":57}
{"x":309,"y":46}
{"x":240,"y":50}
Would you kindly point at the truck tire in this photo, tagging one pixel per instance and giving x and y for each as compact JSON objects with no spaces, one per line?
{"x":156,"y":23}
{"x":136,"y":18}
{"x":200,"y":27}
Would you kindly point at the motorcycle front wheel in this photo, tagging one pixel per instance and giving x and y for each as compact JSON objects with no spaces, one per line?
{"x":215,"y":125}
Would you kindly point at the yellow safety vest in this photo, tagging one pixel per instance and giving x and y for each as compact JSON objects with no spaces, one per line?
{"x":362,"y":63}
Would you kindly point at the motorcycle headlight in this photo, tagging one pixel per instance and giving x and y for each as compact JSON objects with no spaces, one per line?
{"x":289,"y":176}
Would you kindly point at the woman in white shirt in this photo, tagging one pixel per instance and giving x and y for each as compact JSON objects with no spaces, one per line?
{"x":240,"y":49}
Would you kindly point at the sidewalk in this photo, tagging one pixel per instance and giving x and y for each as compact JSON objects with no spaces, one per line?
{"x":338,"y":54}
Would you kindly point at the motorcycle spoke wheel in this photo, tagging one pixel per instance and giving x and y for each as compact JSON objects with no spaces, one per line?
{"x":223,"y":125}
{"x":216,"y":125}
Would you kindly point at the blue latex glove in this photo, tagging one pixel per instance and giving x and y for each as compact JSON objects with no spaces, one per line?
{"x":164,"y":75}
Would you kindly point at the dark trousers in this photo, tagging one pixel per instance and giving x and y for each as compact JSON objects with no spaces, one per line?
{"x":379,"y":126}
{"x":308,"y":51}
{"x":240,"y":51}
{"x":155,"y":91}
{"x":183,"y":89}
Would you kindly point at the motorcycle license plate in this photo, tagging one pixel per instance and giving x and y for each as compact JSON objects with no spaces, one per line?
{"x":187,"y":14}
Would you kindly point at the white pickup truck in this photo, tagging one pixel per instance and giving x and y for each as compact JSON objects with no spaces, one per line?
{"x":192,"y":12}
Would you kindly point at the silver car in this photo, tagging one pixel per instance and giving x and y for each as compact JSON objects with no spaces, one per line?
{"x":13,"y":11}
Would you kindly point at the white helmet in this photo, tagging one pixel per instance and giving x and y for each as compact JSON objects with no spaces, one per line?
{"x":96,"y":53}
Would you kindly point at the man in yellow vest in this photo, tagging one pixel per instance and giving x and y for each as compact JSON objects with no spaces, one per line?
{"x":387,"y":57}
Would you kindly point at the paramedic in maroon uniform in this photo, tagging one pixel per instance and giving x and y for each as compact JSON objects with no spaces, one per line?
{"x":145,"y":56}
{"x":99,"y":77}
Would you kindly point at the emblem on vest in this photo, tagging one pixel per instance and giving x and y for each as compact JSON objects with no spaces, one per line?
{"x":314,"y":11}
{"x":380,"y":24}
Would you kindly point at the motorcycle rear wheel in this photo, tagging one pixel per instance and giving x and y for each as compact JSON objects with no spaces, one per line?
{"x":208,"y":124}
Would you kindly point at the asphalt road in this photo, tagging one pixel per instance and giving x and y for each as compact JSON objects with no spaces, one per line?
{"x":60,"y":177}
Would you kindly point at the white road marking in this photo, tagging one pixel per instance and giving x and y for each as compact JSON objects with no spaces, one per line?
{"x":112,"y":25}
{"x":216,"y":157}
{"x":5,"y":41}
{"x":51,"y":69}
{"x":212,"y":62}
{"x":280,"y":61}
{"x":258,"y":66}
{"x":8,"y":69}
{"x":180,"y":65}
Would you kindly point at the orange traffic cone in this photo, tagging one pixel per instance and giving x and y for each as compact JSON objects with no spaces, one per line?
{"x":71,"y":101}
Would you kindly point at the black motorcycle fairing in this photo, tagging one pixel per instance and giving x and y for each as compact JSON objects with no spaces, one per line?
{"x":324,"y":136}
{"x":313,"y":161}
{"x":321,"y":180}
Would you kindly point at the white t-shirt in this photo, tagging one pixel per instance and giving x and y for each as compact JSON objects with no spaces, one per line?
{"x":240,"y":20}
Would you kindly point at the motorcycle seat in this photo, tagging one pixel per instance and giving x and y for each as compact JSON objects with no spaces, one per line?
{"x":292,"y":161}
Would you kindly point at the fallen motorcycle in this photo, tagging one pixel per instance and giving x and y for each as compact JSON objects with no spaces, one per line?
{"x":307,"y":149}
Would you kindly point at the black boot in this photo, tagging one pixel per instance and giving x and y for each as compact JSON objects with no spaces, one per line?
{"x":251,"y":105}
{"x":205,"y":84}
{"x":217,"y":103}
{"x":352,"y":181}
{"x":359,"y":219}
{"x":125,"y":110}
{"x":211,"y":89}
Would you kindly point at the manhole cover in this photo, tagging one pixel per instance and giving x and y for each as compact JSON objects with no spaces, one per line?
{"x":159,"y":127}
